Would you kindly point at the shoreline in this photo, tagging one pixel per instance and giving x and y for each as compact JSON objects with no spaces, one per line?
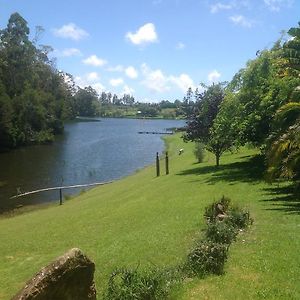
{"x":21,"y":209}
{"x":87,"y":154}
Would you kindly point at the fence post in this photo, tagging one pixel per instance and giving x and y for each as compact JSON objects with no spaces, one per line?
{"x":60,"y":196}
{"x":157,"y":165}
{"x":167,"y":163}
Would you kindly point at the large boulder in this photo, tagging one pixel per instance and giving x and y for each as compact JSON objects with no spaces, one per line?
{"x":69,"y":277}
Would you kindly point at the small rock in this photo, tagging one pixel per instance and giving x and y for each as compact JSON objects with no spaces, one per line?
{"x":221,"y":217}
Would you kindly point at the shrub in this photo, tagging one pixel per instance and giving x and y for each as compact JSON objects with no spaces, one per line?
{"x":131,"y":284}
{"x":43,"y":137}
{"x":216,"y":208}
{"x":199,"y":151}
{"x":221,"y":232}
{"x":238,"y":217}
{"x":207,"y":258}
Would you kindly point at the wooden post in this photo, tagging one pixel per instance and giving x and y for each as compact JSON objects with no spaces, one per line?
{"x":157,"y":165}
{"x":167,"y":163}
{"x":60,"y":196}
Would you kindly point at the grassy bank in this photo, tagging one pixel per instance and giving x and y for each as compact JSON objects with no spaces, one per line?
{"x":143,"y":220}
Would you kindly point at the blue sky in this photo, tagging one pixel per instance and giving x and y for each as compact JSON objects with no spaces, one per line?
{"x":154,"y":49}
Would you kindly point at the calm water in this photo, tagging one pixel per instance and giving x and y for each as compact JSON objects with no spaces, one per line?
{"x":87,"y":152}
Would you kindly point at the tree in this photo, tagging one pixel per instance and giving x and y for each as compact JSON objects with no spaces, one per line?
{"x":292,"y":48}
{"x":148,"y":110}
{"x":87,"y":102}
{"x":262,"y":87}
{"x":7,"y":137}
{"x":188,"y":104}
{"x":18,"y":54}
{"x":284,"y":150}
{"x":225,"y":131}
{"x":200,"y":127}
{"x":33,"y":93}
{"x":206,"y":110}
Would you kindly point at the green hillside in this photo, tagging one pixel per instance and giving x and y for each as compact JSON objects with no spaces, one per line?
{"x":143,"y":220}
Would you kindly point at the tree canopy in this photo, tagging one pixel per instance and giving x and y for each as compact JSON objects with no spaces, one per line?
{"x":32,"y":92}
{"x":260,"y":106}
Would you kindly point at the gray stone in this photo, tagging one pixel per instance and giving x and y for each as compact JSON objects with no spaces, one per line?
{"x":69,"y":277}
{"x":221,"y":217}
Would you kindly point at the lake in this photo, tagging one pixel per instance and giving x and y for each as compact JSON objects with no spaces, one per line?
{"x":87,"y":152}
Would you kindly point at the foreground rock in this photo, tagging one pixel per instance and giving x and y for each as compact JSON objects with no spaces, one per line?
{"x":70,"y":277}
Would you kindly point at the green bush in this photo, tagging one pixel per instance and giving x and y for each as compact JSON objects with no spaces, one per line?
{"x":216,"y":208}
{"x":238,"y":217}
{"x":131,"y":284}
{"x":43,"y":137}
{"x":199,"y":151}
{"x":207,"y":258}
{"x":221,"y":232}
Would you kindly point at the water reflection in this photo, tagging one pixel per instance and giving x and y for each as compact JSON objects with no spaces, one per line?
{"x":87,"y":152}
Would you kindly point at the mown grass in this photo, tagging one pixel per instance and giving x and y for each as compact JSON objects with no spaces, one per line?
{"x":143,"y":220}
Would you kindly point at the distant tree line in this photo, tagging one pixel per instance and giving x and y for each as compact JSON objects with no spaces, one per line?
{"x":36,"y":98}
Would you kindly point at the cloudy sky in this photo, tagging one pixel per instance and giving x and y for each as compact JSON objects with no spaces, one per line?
{"x":154,"y":49}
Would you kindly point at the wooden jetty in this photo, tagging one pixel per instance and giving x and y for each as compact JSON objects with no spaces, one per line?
{"x":154,"y":132}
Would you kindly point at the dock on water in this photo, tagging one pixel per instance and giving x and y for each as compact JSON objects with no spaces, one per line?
{"x":154,"y":132}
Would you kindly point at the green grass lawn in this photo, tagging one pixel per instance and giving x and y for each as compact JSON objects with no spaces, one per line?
{"x":143,"y":220}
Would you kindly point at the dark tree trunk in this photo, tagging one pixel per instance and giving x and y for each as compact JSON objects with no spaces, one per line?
{"x":217,"y":159}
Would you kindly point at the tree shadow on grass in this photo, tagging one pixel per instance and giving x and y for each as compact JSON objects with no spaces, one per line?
{"x":285,"y":199}
{"x":250,"y":170}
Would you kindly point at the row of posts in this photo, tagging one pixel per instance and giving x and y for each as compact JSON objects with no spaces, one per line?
{"x":158,"y":166}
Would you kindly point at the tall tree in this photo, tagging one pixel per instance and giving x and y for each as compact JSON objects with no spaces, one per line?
{"x":87,"y":102}
{"x":33,"y":94}
{"x":199,"y":128}
{"x":284,"y":142}
{"x":225,"y":130}
{"x":18,"y":54}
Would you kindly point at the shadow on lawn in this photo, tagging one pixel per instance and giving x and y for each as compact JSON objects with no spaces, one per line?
{"x":286,"y":199}
{"x":250,"y":170}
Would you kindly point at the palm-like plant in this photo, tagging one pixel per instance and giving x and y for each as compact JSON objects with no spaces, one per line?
{"x":284,"y":152}
{"x":292,"y":48}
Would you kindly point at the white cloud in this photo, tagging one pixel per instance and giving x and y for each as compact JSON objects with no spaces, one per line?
{"x":68,"y":52}
{"x":70,"y":31}
{"x":183,"y":81}
{"x":241,"y":20}
{"x":131,"y":72}
{"x":117,"y":68}
{"x":144,"y":35}
{"x":95,"y":61}
{"x":81,"y":82}
{"x":213,"y":76}
{"x":90,"y":80}
{"x":220,"y":6}
{"x":157,"y":81}
{"x":127,"y":90}
{"x":99,"y":87}
{"x":180,"y":46}
{"x":154,"y":80}
{"x":116,"y":81}
{"x":276,"y":5}
{"x":93,"y":76}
